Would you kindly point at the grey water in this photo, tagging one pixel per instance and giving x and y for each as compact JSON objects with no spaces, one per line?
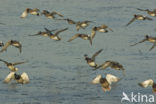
{"x":57,"y":69}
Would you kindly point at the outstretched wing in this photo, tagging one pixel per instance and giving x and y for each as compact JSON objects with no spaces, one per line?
{"x":54,"y":12}
{"x":105,"y":65}
{"x":139,"y":42}
{"x":111,"y":78}
{"x":96,"y":80}
{"x":73,"y":37}
{"x":146,"y":83}
{"x":57,"y":33}
{"x":9,"y":77}
{"x":25,"y":78}
{"x":39,"y":33}
{"x":141,"y":9}
{"x":4,"y":61}
{"x":148,"y":18}
{"x":132,"y":20}
{"x":20,"y":48}
{"x":78,"y":26}
{"x":5,"y":46}
{"x":90,"y":40}
{"x":47,"y":30}
{"x":154,"y":45}
{"x":24,"y":14}
{"x":17,"y":63}
{"x":93,"y":33}
{"x":97,"y":53}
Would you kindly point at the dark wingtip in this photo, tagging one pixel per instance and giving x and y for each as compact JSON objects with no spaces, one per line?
{"x":140,"y":84}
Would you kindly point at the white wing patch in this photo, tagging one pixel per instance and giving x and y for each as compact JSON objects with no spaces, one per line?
{"x":24,"y":14}
{"x":9,"y":77}
{"x":25,"y":78}
{"x":96,"y":80}
{"x":146,"y":83}
{"x":111,"y":78}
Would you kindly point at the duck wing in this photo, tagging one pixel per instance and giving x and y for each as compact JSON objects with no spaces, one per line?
{"x":154,"y":45}
{"x":57,"y":33}
{"x":93,"y":33}
{"x":105,"y":65}
{"x":96,"y":80}
{"x":148,"y":18}
{"x":17,"y":63}
{"x":146,"y":83}
{"x":97,"y":53}
{"x":24,"y":14}
{"x":25,"y":78}
{"x":6,"y":46}
{"x":139,"y":42}
{"x":132,"y":20}
{"x":141,"y":9}
{"x":111,"y":78}
{"x":73,"y":37}
{"x":9,"y":77}
{"x":4,"y":61}
{"x":54,"y":12}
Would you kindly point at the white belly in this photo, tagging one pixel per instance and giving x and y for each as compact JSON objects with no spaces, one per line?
{"x":92,"y":64}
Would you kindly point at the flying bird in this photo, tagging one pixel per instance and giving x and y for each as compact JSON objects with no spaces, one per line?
{"x":103,"y":28}
{"x":46,"y":33}
{"x":11,"y":66}
{"x":91,"y":61}
{"x":84,"y":36}
{"x":51,"y":15}
{"x":138,"y":17}
{"x":14,"y":43}
{"x":150,"y":39}
{"x":27,"y":11}
{"x":55,"y":36}
{"x":147,"y":83}
{"x":20,"y":78}
{"x":113,"y":64}
{"x":82,"y":24}
{"x":105,"y":82}
{"x":150,"y":12}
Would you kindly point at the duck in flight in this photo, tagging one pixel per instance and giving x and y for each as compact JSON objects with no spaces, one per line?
{"x":27,"y":11}
{"x":14,"y":43}
{"x":105,"y":81}
{"x":51,"y":15}
{"x":138,"y":17}
{"x":84,"y":36}
{"x":148,"y":38}
{"x":113,"y":64}
{"x":11,"y":66}
{"x":103,"y":28}
{"x":147,"y":83}
{"x":20,"y":78}
{"x":151,"y":13}
{"x":82,"y":24}
{"x":91,"y":61}
{"x":55,"y":36}
{"x":46,"y":33}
